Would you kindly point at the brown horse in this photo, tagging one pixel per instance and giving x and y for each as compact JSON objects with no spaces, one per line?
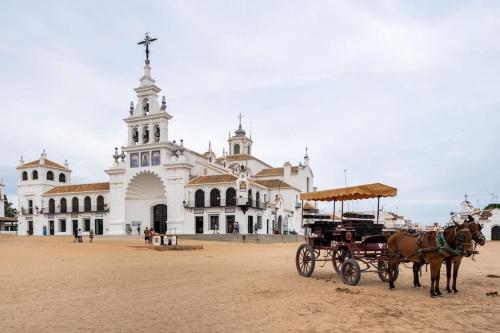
{"x":431,"y":246}
{"x":454,"y":261}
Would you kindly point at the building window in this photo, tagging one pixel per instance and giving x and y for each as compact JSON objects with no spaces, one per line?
{"x":30,"y":207}
{"x":62,"y":178}
{"x":257,"y":199}
{"x":155,"y":158}
{"x":52,"y":206}
{"x":249,"y":202}
{"x":64,"y":207}
{"x":87,"y":204}
{"x":135,"y":135}
{"x":199,"y":199}
{"x":145,"y":134}
{"x":100,"y":203}
{"x":215,"y":198}
{"x":236,"y":149}
{"x":25,"y":175}
{"x":156,"y":133}
{"x":134,"y":160}
{"x":214,"y":222}
{"x":50,"y":175}
{"x":62,"y":225}
{"x":307,"y":184}
{"x":230,"y":197}
{"x":34,"y":174}
{"x":86,"y":225}
{"x":74,"y":205}
{"x":145,"y":159}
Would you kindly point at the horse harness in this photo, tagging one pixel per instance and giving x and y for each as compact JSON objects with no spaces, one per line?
{"x":441,"y":245}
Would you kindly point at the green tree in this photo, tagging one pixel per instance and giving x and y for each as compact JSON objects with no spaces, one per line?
{"x":492,"y":206}
{"x":10,"y":211}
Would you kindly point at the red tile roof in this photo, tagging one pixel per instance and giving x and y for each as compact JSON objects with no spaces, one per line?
{"x":93,"y":187}
{"x":276,"y":171}
{"x":213,"y":179}
{"x":48,"y":163}
{"x":272,"y":183}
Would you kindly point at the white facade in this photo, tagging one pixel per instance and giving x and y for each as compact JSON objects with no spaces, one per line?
{"x":488,"y":218}
{"x":153,"y":183}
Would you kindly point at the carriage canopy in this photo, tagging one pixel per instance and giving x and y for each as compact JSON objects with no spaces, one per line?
{"x":366,"y":191}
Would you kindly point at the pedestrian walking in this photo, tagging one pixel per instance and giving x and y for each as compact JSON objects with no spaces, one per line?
{"x":80,"y":240}
{"x":151,"y":234}
{"x":139,"y":229}
{"x":91,"y":235}
{"x":75,"y":235}
{"x":146,"y":235}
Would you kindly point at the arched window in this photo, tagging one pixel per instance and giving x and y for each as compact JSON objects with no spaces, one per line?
{"x":257,"y":199}
{"x":145,"y":106}
{"x":135,"y":135}
{"x":50,"y":175}
{"x":100,"y":203}
{"x":75,"y":205}
{"x":34,"y":174}
{"x":215,"y":198}
{"x":249,"y":197}
{"x":62,"y":178}
{"x":25,"y":175}
{"x":145,"y":134}
{"x":236,"y":149}
{"x":230,"y":197}
{"x":156,"y":132}
{"x":64,"y":206}
{"x":87,"y":204}
{"x":307,"y":185}
{"x":199,"y":199}
{"x":52,"y":206}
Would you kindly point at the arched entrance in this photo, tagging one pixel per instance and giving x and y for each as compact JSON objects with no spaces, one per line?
{"x":146,"y":202}
{"x":160,"y":218}
{"x":495,"y":233}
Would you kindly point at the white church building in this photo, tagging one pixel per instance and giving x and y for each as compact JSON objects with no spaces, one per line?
{"x":158,"y":183}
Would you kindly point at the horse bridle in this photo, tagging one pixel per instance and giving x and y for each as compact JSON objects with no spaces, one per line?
{"x":478,"y":236}
{"x":461,"y":242}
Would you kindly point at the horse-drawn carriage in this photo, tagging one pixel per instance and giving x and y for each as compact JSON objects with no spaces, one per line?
{"x":354,"y":244}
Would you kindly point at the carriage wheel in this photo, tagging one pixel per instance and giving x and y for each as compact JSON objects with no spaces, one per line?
{"x":383,"y":271}
{"x":338,"y":259}
{"x":351,"y":273}
{"x":305,"y":260}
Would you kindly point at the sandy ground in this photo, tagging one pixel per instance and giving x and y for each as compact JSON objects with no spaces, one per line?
{"x":116,"y":285}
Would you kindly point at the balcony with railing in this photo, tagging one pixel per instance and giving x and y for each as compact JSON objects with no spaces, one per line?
{"x":71,"y":210}
{"x":248,"y":204}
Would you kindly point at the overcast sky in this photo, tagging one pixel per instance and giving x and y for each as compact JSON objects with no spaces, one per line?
{"x":404,"y":93}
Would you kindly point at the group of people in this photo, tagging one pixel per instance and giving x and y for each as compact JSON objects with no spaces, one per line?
{"x":148,"y":235}
{"x":78,"y":236}
{"x":235,"y":228}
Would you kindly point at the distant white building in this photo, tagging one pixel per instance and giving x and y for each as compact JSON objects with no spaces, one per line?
{"x":160,"y":183}
{"x":488,"y":218}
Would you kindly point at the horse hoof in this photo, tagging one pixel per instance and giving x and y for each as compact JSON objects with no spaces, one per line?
{"x":449,"y":291}
{"x":455,"y":291}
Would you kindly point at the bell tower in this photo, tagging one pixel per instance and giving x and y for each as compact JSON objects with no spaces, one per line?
{"x":148,"y":118}
{"x":239,"y":143}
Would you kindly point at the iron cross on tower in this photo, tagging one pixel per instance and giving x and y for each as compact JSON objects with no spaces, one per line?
{"x":239,"y":117}
{"x":147,"y":40}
